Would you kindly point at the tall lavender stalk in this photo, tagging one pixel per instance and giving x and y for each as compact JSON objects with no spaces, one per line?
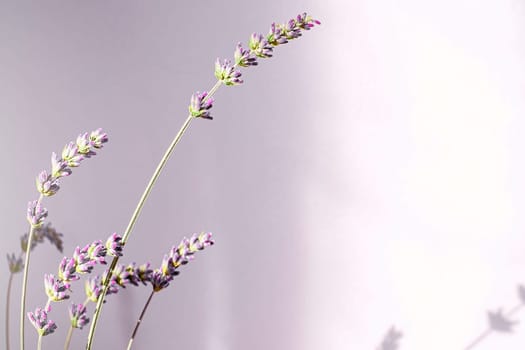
{"x":259,"y":47}
{"x":48,"y":185}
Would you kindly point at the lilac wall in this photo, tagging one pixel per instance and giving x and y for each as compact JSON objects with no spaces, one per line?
{"x":369,"y":174}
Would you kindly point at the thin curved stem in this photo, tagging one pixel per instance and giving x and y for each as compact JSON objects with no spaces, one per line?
{"x":136,"y":215}
{"x":68,"y":337}
{"x":24,"y":283}
{"x":139,"y":321}
{"x":7,"y":307}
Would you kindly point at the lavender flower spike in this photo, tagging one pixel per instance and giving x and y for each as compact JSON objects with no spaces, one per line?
{"x":200,"y":105}
{"x":226,"y":73}
{"x":77,"y":314}
{"x":39,"y":320}
{"x":36,"y":214}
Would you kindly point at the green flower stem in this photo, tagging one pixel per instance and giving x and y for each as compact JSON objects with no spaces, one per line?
{"x":68,"y":337}
{"x":7,"y":302}
{"x":24,"y":283}
{"x":39,"y":342}
{"x":136,"y":214}
{"x":140,"y":320}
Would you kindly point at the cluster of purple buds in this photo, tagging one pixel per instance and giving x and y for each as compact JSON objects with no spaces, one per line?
{"x":82,"y":262}
{"x":259,"y":47}
{"x":179,"y":255}
{"x":78,"y":316}
{"x":243,"y":57}
{"x":159,"y":278}
{"x":55,"y":288}
{"x":114,"y":245}
{"x":41,"y":322}
{"x":226,"y":73}
{"x":122,"y":276}
{"x":200,"y":105}
{"x":72,"y":155}
{"x":85,"y":259}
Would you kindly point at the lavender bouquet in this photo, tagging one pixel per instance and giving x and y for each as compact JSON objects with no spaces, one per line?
{"x":84,"y":258}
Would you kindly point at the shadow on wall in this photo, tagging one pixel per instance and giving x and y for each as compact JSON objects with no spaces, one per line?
{"x":498,"y":321}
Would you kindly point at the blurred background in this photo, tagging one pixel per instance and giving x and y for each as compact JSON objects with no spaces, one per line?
{"x":369,"y":175}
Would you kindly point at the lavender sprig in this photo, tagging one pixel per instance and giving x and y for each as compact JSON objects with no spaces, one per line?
{"x":47,"y":185}
{"x":261,"y":47}
{"x":161,"y":277}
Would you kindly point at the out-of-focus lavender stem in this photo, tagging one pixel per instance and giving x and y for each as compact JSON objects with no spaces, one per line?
{"x":140,"y":320}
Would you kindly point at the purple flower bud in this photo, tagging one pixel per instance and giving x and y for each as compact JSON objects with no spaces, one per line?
{"x":226,"y":73}
{"x":67,"y":270}
{"x":114,"y":245}
{"x":77,"y":314}
{"x":71,"y":155}
{"x":59,"y":167}
{"x":200,"y":105}
{"x":15,"y":263}
{"x":55,"y":289}
{"x":93,"y":288}
{"x":36,"y":213}
{"x":259,"y":46}
{"x":39,"y":320}
{"x":243,"y":57}
{"x":47,"y":184}
{"x":98,"y":138}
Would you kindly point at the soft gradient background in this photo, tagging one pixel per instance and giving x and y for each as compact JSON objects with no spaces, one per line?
{"x":370,"y":174}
